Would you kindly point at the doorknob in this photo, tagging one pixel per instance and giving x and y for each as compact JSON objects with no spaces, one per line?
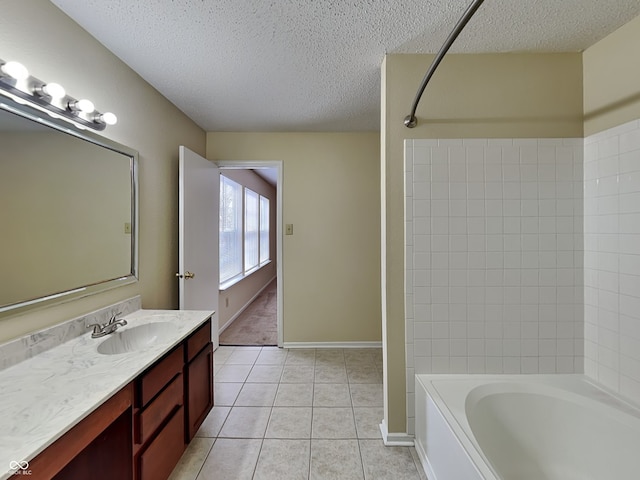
{"x":186,"y":275}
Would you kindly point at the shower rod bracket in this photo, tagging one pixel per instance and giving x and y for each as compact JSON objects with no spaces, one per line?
{"x":410,"y":121}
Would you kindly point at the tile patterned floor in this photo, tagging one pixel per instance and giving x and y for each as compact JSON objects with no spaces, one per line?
{"x":296,"y":414}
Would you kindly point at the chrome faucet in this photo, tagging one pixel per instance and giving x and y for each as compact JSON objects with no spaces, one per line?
{"x":101,"y":330}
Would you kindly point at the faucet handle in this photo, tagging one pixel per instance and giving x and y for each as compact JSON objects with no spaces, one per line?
{"x":114,"y":317}
{"x":97,"y":328}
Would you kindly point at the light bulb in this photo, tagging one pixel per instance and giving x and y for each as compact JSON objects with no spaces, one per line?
{"x":15,"y":70}
{"x":108,"y":118}
{"x":84,"y":105}
{"x":54,"y":90}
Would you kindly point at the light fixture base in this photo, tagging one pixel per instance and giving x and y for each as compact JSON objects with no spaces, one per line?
{"x":31,"y":90}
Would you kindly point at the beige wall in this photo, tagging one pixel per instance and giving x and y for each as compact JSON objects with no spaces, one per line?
{"x":54,"y":48}
{"x":331,"y":264}
{"x":241,"y":293}
{"x":612,"y":79}
{"x":471,"y":96}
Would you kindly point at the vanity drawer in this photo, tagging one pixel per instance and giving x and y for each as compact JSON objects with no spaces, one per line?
{"x":154,"y":379}
{"x":157,"y":461}
{"x":159,"y":409}
{"x":198,"y":340}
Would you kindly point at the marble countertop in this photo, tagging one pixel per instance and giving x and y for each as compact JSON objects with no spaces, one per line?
{"x":43,"y":397}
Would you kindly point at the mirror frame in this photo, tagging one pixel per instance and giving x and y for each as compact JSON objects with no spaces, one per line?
{"x":9,"y":105}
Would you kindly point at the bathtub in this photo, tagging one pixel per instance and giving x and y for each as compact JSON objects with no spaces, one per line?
{"x":538,"y":427}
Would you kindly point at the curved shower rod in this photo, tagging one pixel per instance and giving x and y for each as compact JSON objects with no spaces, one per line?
{"x":410,"y":121}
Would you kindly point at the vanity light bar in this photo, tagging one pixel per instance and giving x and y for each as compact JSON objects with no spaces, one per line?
{"x":50,"y":97}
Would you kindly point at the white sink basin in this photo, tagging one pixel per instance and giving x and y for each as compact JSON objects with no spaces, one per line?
{"x":138,"y":338}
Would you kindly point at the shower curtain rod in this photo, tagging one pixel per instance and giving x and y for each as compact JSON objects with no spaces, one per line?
{"x":410,"y":121}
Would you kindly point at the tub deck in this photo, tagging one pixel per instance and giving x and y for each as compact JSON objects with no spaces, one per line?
{"x":445,"y":441}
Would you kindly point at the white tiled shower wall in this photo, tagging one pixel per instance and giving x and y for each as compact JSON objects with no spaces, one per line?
{"x":494,"y":257}
{"x":612,"y":258}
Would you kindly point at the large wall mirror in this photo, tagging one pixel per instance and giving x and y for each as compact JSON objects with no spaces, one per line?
{"x":68,"y":211}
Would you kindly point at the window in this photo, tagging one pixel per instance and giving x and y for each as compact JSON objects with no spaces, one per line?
{"x":264,"y":229}
{"x":244,"y":230}
{"x":251,"y":225}
{"x":230,"y":229}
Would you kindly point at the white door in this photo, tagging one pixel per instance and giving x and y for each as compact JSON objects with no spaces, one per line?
{"x":199,"y":199}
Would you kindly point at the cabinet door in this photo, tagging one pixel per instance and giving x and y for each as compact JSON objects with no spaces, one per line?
{"x":200,"y":390}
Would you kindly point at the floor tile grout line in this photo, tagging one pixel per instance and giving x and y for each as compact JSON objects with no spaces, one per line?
{"x":255,"y":467}
{"x":364,"y":473}
{"x":205,"y":459}
{"x":349,"y":383}
{"x":313,"y":393}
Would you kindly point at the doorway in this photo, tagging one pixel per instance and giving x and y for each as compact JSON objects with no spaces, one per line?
{"x":257,"y":324}
{"x":253,"y":316}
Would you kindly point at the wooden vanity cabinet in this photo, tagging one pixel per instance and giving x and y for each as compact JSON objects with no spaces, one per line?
{"x":99,"y":447}
{"x":173,"y":397}
{"x":198,"y":378}
{"x":141,"y":432}
{"x":159,"y":439}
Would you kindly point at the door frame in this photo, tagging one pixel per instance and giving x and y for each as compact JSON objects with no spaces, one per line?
{"x":278,"y":165}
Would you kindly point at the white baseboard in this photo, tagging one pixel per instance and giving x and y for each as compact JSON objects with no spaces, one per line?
{"x":244,"y":307}
{"x":332,"y":344}
{"x":395,"y":439}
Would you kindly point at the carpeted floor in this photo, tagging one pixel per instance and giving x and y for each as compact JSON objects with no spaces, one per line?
{"x":257,"y":325}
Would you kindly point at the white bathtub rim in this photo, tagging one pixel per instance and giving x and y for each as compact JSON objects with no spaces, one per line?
{"x":439,"y":386}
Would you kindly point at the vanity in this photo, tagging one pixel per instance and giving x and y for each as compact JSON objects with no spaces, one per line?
{"x":121,"y":406}
{"x":121,"y":402}
{"x":72,"y":412}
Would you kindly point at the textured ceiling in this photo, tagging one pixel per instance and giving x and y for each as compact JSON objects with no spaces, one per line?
{"x":314,"y":65}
